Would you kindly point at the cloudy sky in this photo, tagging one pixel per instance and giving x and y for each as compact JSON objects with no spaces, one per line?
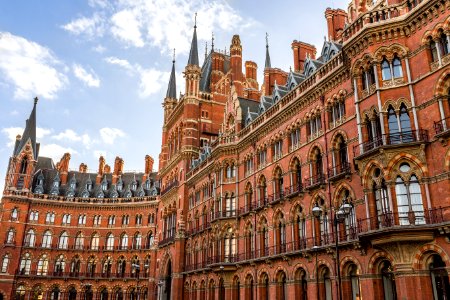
{"x":100,"y":68}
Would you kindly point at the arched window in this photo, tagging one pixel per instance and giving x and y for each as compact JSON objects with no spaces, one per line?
{"x":262,"y":191}
{"x":135,"y":266}
{"x":299,"y":228}
{"x":20,"y":292}
{"x":230,"y":246}
{"x":392,"y":121}
{"x":278,"y":185}
{"x":150,"y":240}
{"x":72,"y":293}
{"x":10,"y":236}
{"x":55,"y":293}
{"x":107,"y":266}
{"x":443,"y":41}
{"x":281,"y":286}
{"x":264,"y":237}
{"x":110,"y":241}
{"x":250,"y":242}
{"x":63,"y":240}
{"x":30,"y":238}
{"x":388,"y":279}
{"x":439,"y":278}
{"x":280,"y":234}
{"x":296,"y":176}
{"x":42,"y":266}
{"x":104,"y":294}
{"x":75,"y":266}
{"x":79,"y":241}
{"x":124,"y":241}
{"x":95,"y":240}
{"x":5,"y":264}
{"x":386,"y":70}
{"x":405,"y":125}
{"x":91,"y":266}
{"x":25,"y":264}
{"x":137,"y":241}
{"x":409,"y":199}
{"x":14,"y":214}
{"x":265,"y":287}
{"x":354,"y":282}
{"x":47,"y":239}
{"x":230,"y":205}
{"x":326,"y":290}
{"x":382,"y":204}
{"x":60,"y":265}
{"x":301,"y":284}
{"x":397,"y":67}
{"x":434,"y":51}
{"x":121,"y":266}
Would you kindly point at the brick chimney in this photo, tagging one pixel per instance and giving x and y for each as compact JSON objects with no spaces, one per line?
{"x":301,"y":51}
{"x":118,"y":169}
{"x":63,"y":167}
{"x":335,"y":22}
{"x":83,"y":168}
{"x":101,"y":169}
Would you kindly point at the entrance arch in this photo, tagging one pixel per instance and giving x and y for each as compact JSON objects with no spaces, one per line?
{"x":166,"y":284}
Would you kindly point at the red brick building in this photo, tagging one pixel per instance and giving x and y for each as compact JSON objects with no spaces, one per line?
{"x":330,"y":179}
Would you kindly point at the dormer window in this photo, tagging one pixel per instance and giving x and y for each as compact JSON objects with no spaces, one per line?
{"x":73,"y":184}
{"x":89,"y":186}
{"x":148,"y":184}
{"x":104,"y":185}
{"x":133,"y":185}
{"x":120,"y":185}
{"x":55,"y":184}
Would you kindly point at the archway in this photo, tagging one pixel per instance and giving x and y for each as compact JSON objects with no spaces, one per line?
{"x":167,"y":285}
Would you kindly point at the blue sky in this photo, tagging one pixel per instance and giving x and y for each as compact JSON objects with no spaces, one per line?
{"x":100,"y":68}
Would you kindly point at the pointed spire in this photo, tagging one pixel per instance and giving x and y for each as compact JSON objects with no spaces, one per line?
{"x":172,"y":88}
{"x":30,"y":132}
{"x":206,"y":49}
{"x":212,"y":42}
{"x":193,"y":54}
{"x":267,"y":65}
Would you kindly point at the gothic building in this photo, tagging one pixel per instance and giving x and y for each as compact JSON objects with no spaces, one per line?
{"x":327,"y":181}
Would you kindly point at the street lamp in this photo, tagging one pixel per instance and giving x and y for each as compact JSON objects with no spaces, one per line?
{"x":339,"y":216}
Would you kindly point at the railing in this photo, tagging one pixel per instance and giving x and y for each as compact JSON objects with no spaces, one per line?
{"x":293,"y":190}
{"x":442,"y":125}
{"x":314,"y":181}
{"x":166,"y":241}
{"x":108,"y":275}
{"x":199,"y":228}
{"x":390,"y":139}
{"x":169,"y":187}
{"x":341,"y":169}
{"x":401,"y":219}
{"x":224,"y":214}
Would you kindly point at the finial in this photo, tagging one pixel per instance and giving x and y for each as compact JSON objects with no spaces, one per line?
{"x":206,"y":49}
{"x":173,"y":59}
{"x":212,"y":41}
{"x":267,"y":40}
{"x":195,"y":21}
{"x":36,"y":100}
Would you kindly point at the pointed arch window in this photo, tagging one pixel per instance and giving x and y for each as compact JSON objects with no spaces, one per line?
{"x":79,"y":241}
{"x":5,"y":264}
{"x":14,"y":214}
{"x":63,"y":240}
{"x":230,"y":246}
{"x":137,"y":241}
{"x":124,"y":241}
{"x":25,"y":264}
{"x":397,"y":67}
{"x":386,"y":70}
{"x":30,"y":238}
{"x":42,"y":266}
{"x":110,"y":241}
{"x":47,"y":239}
{"x":60,"y":265}
{"x":10,"y":236}
{"x":95,"y":240}
{"x":409,"y":199}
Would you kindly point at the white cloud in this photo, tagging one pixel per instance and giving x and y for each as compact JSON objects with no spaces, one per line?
{"x":67,"y":134}
{"x":55,"y":151}
{"x":99,"y":49}
{"x":164,"y":24}
{"x":14,"y":113}
{"x":150,"y":80}
{"x":12,"y":132}
{"x":88,"y":77}
{"x":98,"y":153}
{"x":109,"y":135}
{"x":126,"y":26}
{"x":89,"y":27}
{"x":30,"y":67}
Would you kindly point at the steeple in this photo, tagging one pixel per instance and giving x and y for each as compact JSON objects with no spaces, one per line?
{"x":172,"y":88}
{"x":193,"y":54}
{"x":29,"y":134}
{"x":267,"y":65}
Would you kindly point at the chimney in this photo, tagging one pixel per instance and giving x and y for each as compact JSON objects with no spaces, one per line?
{"x":101,"y":168}
{"x":118,"y":169}
{"x":148,"y":164}
{"x":82,"y":168}
{"x":301,"y":51}
{"x":63,"y":168}
{"x":335,"y":22}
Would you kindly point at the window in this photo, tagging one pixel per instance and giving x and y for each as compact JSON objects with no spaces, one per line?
{"x":230,"y":246}
{"x":60,"y":265}
{"x":110,"y":241}
{"x":82,"y":220}
{"x":97,"y":220}
{"x":34,"y":216}
{"x":10,"y":236}
{"x":25,"y":264}
{"x":111,"y":220}
{"x":125,"y":220}
{"x":138,"y":220}
{"x":409,"y":198}
{"x":63,"y":240}
{"x":439,"y":278}
{"x":95,"y":240}
{"x":137,"y":241}
{"x":30,"y":238}
{"x":47,"y":239}
{"x":434,"y":51}
{"x":397,"y":67}
{"x":314,"y":126}
{"x":385,"y":70}
{"x":66,"y":219}
{"x":388,"y":280}
{"x":443,"y":41}
{"x":14,"y":214}
{"x":50,"y":218}
{"x":124,"y":241}
{"x":262,"y":156}
{"x":337,"y":112}
{"x":295,"y":138}
{"x":230,"y":205}
{"x":150,"y":240}
{"x":277,"y":149}
{"x":5,"y":264}
{"x":42,"y":266}
{"x":79,"y":241}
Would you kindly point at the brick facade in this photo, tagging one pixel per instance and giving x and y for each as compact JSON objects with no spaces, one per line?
{"x":259,"y":185}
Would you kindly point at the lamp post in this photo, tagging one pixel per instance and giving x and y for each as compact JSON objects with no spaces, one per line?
{"x":339,"y":216}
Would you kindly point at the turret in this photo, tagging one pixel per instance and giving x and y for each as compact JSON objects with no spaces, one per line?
{"x":300,"y":52}
{"x":192,"y":71}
